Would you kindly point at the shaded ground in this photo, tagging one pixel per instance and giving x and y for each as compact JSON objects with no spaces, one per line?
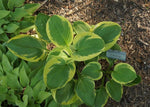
{"x":134,"y":18}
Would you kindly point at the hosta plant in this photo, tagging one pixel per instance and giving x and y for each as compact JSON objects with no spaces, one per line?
{"x":69,"y":80}
{"x":15,"y":17}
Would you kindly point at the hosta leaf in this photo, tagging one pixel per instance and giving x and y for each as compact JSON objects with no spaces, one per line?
{"x":16,"y":71}
{"x":11,"y":96}
{"x":80,"y":26}
{"x":93,"y":70}
{"x":5,"y":3}
{"x":15,"y":3}
{"x":27,"y":47}
{"x":36,"y":65}
{"x":1,"y":31}
{"x":101,"y":97}
{"x":18,"y":14}
{"x":11,"y":28}
{"x":40,"y":25}
{"x":56,"y":52}
{"x":4,"y":13}
{"x":123,"y":73}
{"x":29,"y":92}
{"x":3,"y":80}
{"x":3,"y":93}
{"x":53,"y":104}
{"x":2,"y":7}
{"x":109,"y":32}
{"x":12,"y":81}
{"x":24,"y":103}
{"x":40,"y":86}
{"x":86,"y":46}
{"x":26,"y":67}
{"x":114,"y":90}
{"x":3,"y":89}
{"x":12,"y":58}
{"x":3,"y":37}
{"x":31,"y":8}
{"x":24,"y":80}
{"x":42,"y":96}
{"x":37,"y":77}
{"x":85,"y":90}
{"x":135,"y":82}
{"x":58,"y":70}
{"x":65,"y":95}
{"x":26,"y":26}
{"x":59,"y":31}
{"x":7,"y":67}
{"x":3,"y":48}
{"x":3,"y":21}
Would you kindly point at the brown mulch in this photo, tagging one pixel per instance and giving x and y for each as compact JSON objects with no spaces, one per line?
{"x":134,"y":18}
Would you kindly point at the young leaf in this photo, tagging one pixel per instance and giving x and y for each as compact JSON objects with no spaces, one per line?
{"x":40,"y":24}
{"x":24,"y":80}
{"x":86,"y":46}
{"x":7,"y":67}
{"x":12,"y":81}
{"x":59,"y":31}
{"x":11,"y":28}
{"x":15,"y":3}
{"x":31,"y":8}
{"x":11,"y":96}
{"x":1,"y":31}
{"x":18,"y":14}
{"x":109,"y":32}
{"x":2,"y":7}
{"x":24,"y":103}
{"x":56,"y":52}
{"x":42,"y":96}
{"x":85,"y":90}
{"x":123,"y":73}
{"x":114,"y":90}
{"x":135,"y":82}
{"x":5,"y":3}
{"x":3,"y":93}
{"x":40,"y":86}
{"x":80,"y":27}
{"x":16,"y":71}
{"x":60,"y":71}
{"x":26,"y":67}
{"x":12,"y":58}
{"x":101,"y":97}
{"x":3,"y":37}
{"x":3,"y":21}
{"x":4,"y":13}
{"x":65,"y":95}
{"x":93,"y":70}
{"x":29,"y":92}
{"x":27,"y":47}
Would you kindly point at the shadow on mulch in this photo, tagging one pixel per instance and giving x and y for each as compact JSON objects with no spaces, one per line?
{"x":134,"y":18}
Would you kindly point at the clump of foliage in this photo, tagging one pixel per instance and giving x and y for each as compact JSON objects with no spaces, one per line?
{"x":68,"y":83}
{"x":15,"y":17}
{"x":18,"y":85}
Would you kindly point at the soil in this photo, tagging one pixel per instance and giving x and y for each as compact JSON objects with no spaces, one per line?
{"x":134,"y":18}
